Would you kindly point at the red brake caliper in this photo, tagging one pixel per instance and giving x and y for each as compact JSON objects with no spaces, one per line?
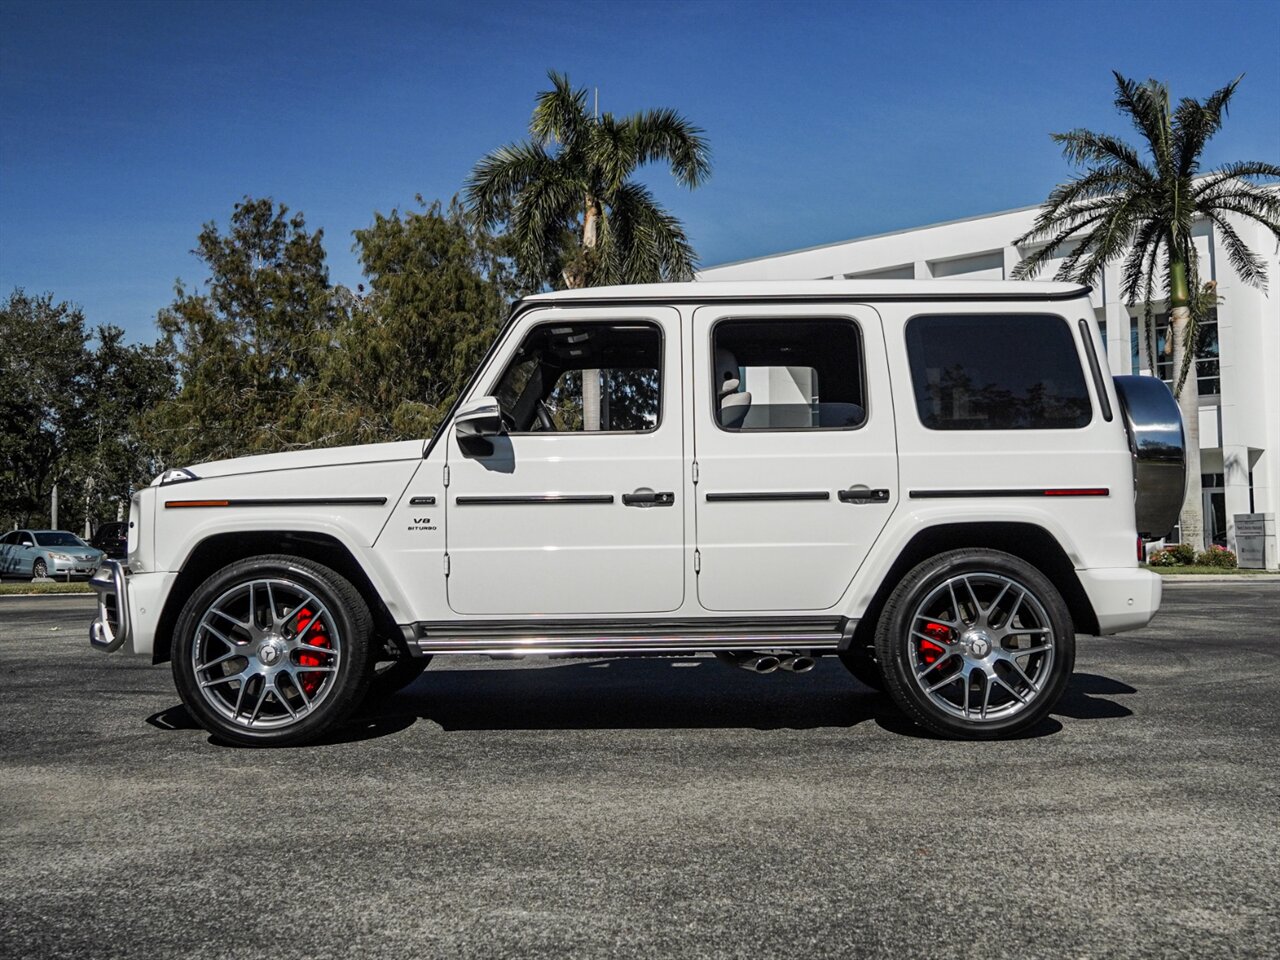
{"x":930,"y":652}
{"x":306,"y":621}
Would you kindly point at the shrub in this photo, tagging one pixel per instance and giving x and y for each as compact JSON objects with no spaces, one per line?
{"x":1162,"y":558}
{"x":1183,"y":553}
{"x":1217,"y":556}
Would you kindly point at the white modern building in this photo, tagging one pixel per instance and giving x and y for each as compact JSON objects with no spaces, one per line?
{"x":1238,"y":362}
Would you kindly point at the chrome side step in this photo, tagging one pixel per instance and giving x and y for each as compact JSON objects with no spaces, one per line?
{"x":505,"y":638}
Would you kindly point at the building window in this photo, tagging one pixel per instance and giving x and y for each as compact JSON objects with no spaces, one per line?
{"x":997,"y":372}
{"x":1207,"y":368}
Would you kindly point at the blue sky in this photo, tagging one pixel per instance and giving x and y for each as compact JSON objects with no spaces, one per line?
{"x":125,"y":126}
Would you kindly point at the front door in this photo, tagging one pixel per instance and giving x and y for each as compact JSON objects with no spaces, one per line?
{"x":574,"y":511}
{"x":796,"y":452}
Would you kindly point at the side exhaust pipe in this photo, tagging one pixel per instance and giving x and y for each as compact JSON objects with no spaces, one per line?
{"x":764,"y":663}
{"x":798,"y":664}
{"x":755,"y":662}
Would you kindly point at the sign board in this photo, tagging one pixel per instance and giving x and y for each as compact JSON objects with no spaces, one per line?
{"x":1256,"y":540}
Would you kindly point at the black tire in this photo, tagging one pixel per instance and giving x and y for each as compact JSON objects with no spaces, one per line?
{"x":897,"y":649}
{"x":39,"y":569}
{"x":862,"y":664}
{"x":349,"y":616}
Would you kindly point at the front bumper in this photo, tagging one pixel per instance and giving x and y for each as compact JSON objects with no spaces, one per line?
{"x":1123,"y":598}
{"x":111,"y":629}
{"x":74,"y":566}
{"x":129,"y":606}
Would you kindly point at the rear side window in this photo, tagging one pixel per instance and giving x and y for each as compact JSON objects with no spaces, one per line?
{"x":997,"y":372}
{"x":788,"y":374}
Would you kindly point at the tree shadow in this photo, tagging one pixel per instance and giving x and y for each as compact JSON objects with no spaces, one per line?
{"x":643,"y":693}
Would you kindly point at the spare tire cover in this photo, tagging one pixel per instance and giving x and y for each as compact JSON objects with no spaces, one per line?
{"x":1159,"y":447}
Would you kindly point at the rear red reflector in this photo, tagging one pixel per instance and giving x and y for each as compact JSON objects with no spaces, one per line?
{"x":1078,"y":492}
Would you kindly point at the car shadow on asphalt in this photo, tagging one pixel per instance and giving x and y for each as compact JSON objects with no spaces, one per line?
{"x":652,"y":693}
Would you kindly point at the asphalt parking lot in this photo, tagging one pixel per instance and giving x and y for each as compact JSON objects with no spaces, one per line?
{"x":651,"y":808}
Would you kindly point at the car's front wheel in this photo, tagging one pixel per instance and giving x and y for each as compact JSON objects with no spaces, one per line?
{"x":39,"y":570}
{"x":272,"y":651}
{"x":976,"y":644}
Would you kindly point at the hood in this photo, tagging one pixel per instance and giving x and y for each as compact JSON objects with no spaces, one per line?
{"x":302,"y":459}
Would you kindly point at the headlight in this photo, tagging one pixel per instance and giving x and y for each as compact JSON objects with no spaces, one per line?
{"x":60,"y":556}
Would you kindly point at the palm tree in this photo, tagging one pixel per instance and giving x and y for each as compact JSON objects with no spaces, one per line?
{"x":573,"y":214}
{"x":1140,"y":210}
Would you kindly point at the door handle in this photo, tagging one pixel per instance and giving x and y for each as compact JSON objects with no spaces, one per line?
{"x":649,"y":498}
{"x":862,"y":494}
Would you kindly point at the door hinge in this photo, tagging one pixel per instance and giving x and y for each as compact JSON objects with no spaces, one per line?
{"x":697,"y":561}
{"x":695,"y":471}
{"x":446,"y":474}
{"x":446,"y":564}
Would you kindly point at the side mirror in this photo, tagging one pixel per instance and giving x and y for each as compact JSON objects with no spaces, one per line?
{"x":479,"y":418}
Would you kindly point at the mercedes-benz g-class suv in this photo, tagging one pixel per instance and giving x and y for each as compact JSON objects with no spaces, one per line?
{"x":935,"y":482}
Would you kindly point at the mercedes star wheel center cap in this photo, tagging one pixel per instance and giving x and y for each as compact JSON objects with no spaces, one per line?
{"x":978,"y":643}
{"x":269,"y":652}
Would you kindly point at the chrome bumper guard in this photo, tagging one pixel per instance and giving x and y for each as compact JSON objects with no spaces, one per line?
{"x":110,"y":630}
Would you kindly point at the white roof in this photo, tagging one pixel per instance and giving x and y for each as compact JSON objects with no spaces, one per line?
{"x":816,"y":289}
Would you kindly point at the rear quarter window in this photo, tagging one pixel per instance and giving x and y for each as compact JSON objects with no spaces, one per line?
{"x":996,"y":372}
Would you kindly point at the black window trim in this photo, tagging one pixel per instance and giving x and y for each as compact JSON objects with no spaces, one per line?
{"x":566,"y":321}
{"x":788,"y":318}
{"x":1086,"y":336}
{"x":906,"y":346}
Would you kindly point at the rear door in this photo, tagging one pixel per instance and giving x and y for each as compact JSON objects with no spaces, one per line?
{"x":795,"y":450}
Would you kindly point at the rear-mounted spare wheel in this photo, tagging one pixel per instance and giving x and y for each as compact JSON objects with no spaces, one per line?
{"x":1156,"y":440}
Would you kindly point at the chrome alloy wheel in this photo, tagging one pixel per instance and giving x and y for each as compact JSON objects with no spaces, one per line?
{"x":266,"y":653}
{"x":982,"y":647}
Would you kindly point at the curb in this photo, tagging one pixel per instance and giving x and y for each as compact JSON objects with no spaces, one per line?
{"x":28,"y":596}
{"x":1210,"y":578}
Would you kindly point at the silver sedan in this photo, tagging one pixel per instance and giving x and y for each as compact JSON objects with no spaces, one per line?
{"x":47,"y":553}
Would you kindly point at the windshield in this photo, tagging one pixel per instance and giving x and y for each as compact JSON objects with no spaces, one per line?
{"x":59,"y":538}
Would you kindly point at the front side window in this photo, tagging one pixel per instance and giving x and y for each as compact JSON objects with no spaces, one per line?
{"x":788,"y":374}
{"x":997,"y":372}
{"x":584,"y":378}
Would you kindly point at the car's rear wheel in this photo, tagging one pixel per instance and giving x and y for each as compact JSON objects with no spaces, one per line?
{"x":272,"y":651}
{"x":39,"y":569}
{"x":976,"y":644}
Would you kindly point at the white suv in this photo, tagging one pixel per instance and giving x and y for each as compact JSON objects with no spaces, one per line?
{"x":934,"y":481}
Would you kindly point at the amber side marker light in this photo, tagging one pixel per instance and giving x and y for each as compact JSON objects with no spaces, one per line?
{"x":197,"y":503}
